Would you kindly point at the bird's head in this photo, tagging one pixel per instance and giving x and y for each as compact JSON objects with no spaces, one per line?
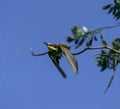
{"x":51,"y":46}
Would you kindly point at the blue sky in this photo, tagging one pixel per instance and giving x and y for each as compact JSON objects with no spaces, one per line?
{"x":28,"y":82}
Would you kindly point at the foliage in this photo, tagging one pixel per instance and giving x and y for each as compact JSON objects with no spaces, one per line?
{"x":82,"y":36}
{"x":109,"y":59}
{"x":113,"y":9}
{"x":109,"y":56}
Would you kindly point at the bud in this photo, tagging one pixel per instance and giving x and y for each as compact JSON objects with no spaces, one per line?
{"x":85,"y":29}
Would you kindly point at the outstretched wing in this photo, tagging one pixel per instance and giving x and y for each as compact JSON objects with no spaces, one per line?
{"x":56,"y":63}
{"x":71,"y":59}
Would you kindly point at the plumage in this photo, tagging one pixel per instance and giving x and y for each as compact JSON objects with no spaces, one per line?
{"x":55,"y":53}
{"x":56,"y":63}
{"x":71,"y":59}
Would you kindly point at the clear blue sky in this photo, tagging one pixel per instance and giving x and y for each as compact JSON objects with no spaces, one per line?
{"x":28,"y":82}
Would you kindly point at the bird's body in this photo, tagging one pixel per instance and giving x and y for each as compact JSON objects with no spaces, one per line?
{"x":55,"y":53}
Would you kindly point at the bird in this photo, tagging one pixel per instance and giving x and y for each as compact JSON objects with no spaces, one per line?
{"x":56,"y":51}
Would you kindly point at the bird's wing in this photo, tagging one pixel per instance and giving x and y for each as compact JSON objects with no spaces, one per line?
{"x":56,"y":63}
{"x":71,"y":59}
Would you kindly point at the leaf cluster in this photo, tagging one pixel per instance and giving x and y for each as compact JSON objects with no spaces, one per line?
{"x":82,"y":36}
{"x":109,"y":59}
{"x":113,"y":9}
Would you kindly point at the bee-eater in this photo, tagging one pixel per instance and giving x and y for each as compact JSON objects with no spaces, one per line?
{"x":55,"y":53}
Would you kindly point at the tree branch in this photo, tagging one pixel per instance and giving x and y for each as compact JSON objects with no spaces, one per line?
{"x":110,"y":82}
{"x":31,"y":51}
{"x":89,"y":48}
{"x":110,"y":48}
{"x":94,"y":48}
{"x":102,"y":28}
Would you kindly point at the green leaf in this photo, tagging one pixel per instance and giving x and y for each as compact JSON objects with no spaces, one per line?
{"x":95,"y":38}
{"x":101,"y":37}
{"x":117,"y":15}
{"x":104,"y":64}
{"x":103,"y":52}
{"x":116,"y":44}
{"x":81,"y":41}
{"x":104,"y":42}
{"x":107,"y":6}
{"x":90,"y":42}
{"x":114,"y":10}
{"x":76,"y":41}
{"x":70,"y":39}
{"x":117,"y":18}
{"x":76,"y":30}
{"x":110,"y":10}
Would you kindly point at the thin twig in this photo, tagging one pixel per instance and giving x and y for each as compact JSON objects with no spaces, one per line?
{"x":102,"y":28}
{"x":110,"y":82}
{"x":107,"y":54}
{"x":31,"y":51}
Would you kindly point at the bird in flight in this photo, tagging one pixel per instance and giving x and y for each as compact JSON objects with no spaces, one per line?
{"x":55,"y":52}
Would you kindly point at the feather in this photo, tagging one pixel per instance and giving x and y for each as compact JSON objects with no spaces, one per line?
{"x":56,"y":63}
{"x":71,"y":59}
